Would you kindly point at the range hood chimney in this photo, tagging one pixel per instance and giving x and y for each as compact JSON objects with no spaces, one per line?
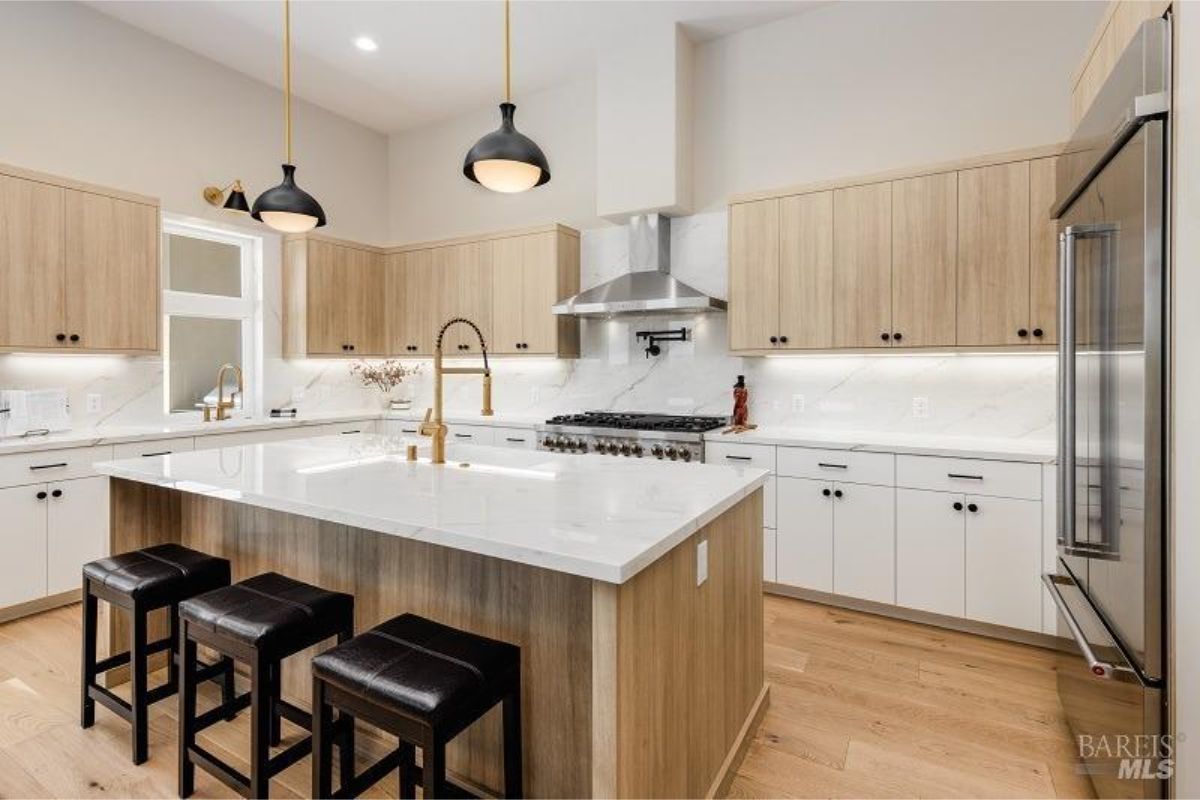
{"x":649,"y":287}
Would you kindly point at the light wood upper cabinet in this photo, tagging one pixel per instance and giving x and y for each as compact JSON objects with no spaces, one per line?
{"x":365,"y":287}
{"x":411,"y":312}
{"x":508,"y":295}
{"x":111,"y":272}
{"x":1043,"y":253}
{"x":924,"y":260}
{"x":466,"y":291}
{"x":530,"y":273}
{"x":862,"y":266}
{"x":753,"y":274}
{"x":333,"y":299}
{"x":805,"y":293}
{"x":993,"y":255}
{"x":32,"y":302}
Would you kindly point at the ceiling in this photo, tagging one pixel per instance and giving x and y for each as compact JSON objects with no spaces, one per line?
{"x":436,"y":58}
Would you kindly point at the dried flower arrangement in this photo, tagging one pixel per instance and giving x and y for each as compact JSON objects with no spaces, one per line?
{"x":384,"y":376}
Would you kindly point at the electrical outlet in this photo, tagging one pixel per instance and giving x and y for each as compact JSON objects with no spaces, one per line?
{"x":702,"y":562}
{"x":797,"y":404}
{"x":95,"y":403}
{"x":920,"y":407}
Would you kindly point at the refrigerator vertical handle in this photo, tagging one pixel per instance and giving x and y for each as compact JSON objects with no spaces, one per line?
{"x":1066,"y":388}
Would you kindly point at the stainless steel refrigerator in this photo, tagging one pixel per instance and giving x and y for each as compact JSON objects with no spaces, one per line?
{"x":1110,"y":578}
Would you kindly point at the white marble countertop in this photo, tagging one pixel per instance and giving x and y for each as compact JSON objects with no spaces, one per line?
{"x":115,"y":434}
{"x":586,"y":515}
{"x":991,"y":448}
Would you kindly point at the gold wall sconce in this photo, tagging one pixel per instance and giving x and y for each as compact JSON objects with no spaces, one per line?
{"x":236,"y":200}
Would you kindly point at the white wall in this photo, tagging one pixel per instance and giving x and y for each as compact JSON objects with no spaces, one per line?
{"x":88,"y":97}
{"x":853,"y":88}
{"x":431,"y":199}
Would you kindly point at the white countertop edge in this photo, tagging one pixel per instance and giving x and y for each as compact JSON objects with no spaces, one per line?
{"x":937,"y":445}
{"x":601,"y":571}
{"x":523,"y":421}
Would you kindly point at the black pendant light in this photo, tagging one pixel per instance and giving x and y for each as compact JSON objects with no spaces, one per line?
{"x":237,"y":199}
{"x":507,"y":160}
{"x":287,"y":207}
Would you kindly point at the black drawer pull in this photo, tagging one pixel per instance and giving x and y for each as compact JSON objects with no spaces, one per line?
{"x":823,"y":465}
{"x":964,"y":477}
{"x":36,"y":467}
{"x":41,"y":495}
{"x":356,"y":430}
{"x":159,"y":453}
{"x":464,"y":436}
{"x":57,"y":493}
{"x":739,"y":458}
{"x":408,"y":430}
{"x":514,"y":439}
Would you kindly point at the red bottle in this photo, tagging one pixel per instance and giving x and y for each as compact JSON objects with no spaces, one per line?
{"x":741,"y":403}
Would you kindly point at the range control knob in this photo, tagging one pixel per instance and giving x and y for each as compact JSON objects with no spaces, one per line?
{"x":548,"y":442}
{"x":671,"y":454}
{"x":598,"y":447}
{"x":656,"y":451}
{"x":685,"y":454}
{"x":625,"y":449}
{"x":637,"y":450}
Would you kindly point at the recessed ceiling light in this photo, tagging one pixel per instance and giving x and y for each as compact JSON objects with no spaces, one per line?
{"x":366,"y":44}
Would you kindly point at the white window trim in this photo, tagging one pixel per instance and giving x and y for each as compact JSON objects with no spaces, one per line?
{"x":247,"y":308}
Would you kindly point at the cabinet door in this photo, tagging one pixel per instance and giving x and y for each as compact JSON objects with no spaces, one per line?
{"x":753,"y":274}
{"x":539,"y":293}
{"x":416,"y":294}
{"x":77,"y":531}
{"x":1004,"y":562}
{"x":804,"y":534}
{"x":465,"y":273}
{"x":22,"y":545}
{"x":924,"y":260}
{"x":111,"y":275}
{"x":806,"y":271}
{"x":862,"y":266}
{"x":32,"y":313}
{"x":328,"y":281}
{"x":365,"y":294}
{"x":993,"y":255}
{"x":1043,"y":253}
{"x":864,"y":542}
{"x":930,"y":551}
{"x":508,"y":295}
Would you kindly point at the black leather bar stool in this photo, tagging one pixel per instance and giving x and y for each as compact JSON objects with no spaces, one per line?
{"x":140,"y":582}
{"x":423,"y":682}
{"x":260,"y":622}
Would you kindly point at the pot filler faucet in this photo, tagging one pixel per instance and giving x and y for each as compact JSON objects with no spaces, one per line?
{"x":436,"y":427}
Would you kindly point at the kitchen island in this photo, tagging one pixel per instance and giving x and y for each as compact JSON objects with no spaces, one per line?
{"x":633,"y":588}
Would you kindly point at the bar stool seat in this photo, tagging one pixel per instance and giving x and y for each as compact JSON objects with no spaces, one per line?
{"x":425,"y":683}
{"x":260,"y":622}
{"x":139,"y":582}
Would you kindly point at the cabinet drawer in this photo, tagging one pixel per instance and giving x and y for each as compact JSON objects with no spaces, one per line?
{"x":157,"y":447}
{"x":972,"y":476}
{"x":401,"y":427}
{"x":471,"y":434}
{"x":521,"y":438}
{"x":350,"y":427}
{"x":760,"y":456}
{"x":51,"y":465}
{"x":838,"y":465}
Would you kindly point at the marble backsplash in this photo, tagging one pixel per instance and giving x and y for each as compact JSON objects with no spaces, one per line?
{"x":969,"y":395}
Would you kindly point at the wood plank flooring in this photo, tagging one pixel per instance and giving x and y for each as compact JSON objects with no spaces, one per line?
{"x":861,"y":706}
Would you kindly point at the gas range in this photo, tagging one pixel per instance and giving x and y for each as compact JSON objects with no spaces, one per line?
{"x":633,"y":435}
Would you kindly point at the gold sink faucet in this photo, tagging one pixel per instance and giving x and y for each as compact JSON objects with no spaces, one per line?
{"x":436,"y":427}
{"x":224,"y":406}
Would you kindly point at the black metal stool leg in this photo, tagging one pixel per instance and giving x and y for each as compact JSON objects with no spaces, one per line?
{"x":346,"y":744}
{"x":433,"y":766}
{"x":138,"y":665}
{"x":87,"y":706}
{"x":513,"y":781}
{"x":407,"y":772}
{"x":322,"y":756}
{"x":228,"y":689}
{"x":261,"y":707}
{"x":173,"y":652}
{"x":187,"y":712}
{"x":276,"y":696}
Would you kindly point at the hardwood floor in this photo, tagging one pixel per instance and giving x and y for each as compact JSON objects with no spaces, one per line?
{"x":861,"y":706}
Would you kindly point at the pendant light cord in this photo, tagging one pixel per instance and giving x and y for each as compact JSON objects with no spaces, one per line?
{"x":287,"y":79}
{"x":507,"y":56}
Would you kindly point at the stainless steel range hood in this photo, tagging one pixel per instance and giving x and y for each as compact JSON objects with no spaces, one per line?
{"x":649,"y":287}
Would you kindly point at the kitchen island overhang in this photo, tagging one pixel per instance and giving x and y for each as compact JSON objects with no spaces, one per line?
{"x":639,"y":678}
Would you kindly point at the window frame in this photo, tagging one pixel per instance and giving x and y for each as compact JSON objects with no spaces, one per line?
{"x":247,"y":308}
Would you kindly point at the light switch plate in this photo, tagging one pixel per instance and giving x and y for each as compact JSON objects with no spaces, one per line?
{"x":920,"y":407}
{"x":702,"y":562}
{"x":95,"y":403}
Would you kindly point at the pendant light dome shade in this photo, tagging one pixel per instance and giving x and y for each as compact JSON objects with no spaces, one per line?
{"x":287,"y":207}
{"x":507,"y":160}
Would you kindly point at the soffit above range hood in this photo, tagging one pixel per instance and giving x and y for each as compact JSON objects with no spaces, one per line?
{"x":649,"y":287}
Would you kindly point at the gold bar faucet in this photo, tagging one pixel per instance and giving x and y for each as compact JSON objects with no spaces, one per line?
{"x":436,"y":427}
{"x":224,"y":406}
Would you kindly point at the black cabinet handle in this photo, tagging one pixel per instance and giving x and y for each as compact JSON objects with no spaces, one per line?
{"x":36,"y":467}
{"x":774,"y":339}
{"x":826,"y":492}
{"x":885,"y":336}
{"x":56,"y":493}
{"x":353,"y":431}
{"x":958,"y":506}
{"x":62,"y":337}
{"x":824,"y":465}
{"x":351,"y":347}
{"x":783,"y":340}
{"x":345,"y":347}
{"x":1037,"y":333}
{"x":837,"y":492}
{"x":738,"y":458}
{"x":159,"y":453}
{"x":513,"y":439}
{"x":972,"y":507}
{"x":41,"y":495}
{"x":964,"y":477}
{"x":897,"y":336}
{"x":1022,"y":332}
{"x":74,"y":337}
{"x":464,"y":435}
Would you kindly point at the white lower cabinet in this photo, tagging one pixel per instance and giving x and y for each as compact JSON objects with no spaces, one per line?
{"x":22,"y":544}
{"x":804,"y":543}
{"x":1004,"y":561}
{"x":471,"y":434}
{"x":76,"y":530}
{"x":864,"y":542}
{"x":519,"y":438}
{"x":930,"y":551}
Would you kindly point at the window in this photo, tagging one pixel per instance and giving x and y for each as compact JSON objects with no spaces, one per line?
{"x":211,"y":313}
